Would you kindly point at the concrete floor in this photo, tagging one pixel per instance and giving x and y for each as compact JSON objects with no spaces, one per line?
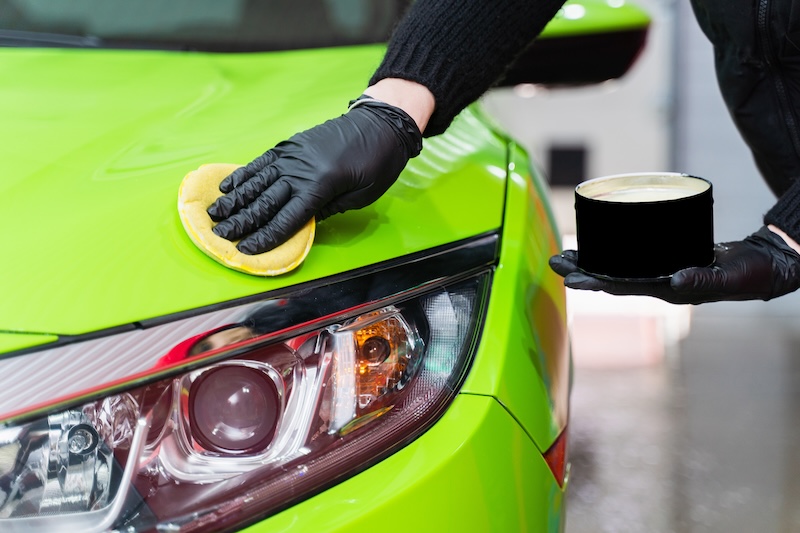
{"x":706,"y":441}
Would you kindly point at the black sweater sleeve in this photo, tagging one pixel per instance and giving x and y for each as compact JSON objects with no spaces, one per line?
{"x":459,"y":48}
{"x":785,"y":214}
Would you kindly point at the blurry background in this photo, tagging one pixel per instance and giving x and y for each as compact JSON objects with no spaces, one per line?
{"x":685,"y":419}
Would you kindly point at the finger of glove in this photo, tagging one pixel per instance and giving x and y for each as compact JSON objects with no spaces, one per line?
{"x":242,"y":174}
{"x":655,"y":289}
{"x":564,"y":264}
{"x":579,"y":280}
{"x":243,"y":195}
{"x":698,"y":279}
{"x":257,"y":214}
{"x":278,"y":230}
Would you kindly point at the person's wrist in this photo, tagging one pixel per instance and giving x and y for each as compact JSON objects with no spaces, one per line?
{"x":789,"y":241}
{"x":412,"y":97}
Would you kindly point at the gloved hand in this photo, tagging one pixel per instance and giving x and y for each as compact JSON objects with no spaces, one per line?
{"x":345,"y":163}
{"x":760,"y":267}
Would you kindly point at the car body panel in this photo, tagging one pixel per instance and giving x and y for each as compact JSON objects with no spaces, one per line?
{"x":453,"y":478}
{"x":99,"y":141}
{"x":523,"y":356}
{"x":584,"y":17}
{"x":10,"y":342}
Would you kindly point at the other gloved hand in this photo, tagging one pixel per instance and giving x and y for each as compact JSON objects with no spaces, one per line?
{"x":760,"y":267}
{"x":345,"y":163}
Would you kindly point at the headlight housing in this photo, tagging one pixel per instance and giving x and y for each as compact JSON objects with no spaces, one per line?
{"x":249,"y":425}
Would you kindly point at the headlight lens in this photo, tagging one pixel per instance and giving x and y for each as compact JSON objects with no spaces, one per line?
{"x":215,"y":447}
{"x":233,"y":408}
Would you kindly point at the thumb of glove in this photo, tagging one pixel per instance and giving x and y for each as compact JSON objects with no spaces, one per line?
{"x":698,"y":279}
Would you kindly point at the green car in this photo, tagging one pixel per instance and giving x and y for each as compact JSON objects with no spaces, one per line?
{"x":412,"y":374}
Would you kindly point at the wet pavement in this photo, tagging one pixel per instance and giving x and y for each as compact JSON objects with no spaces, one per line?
{"x":707,"y":441}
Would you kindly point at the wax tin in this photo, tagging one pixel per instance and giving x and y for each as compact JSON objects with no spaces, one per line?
{"x":644,"y":226}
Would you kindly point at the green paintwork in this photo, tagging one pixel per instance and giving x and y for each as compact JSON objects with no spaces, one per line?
{"x":522,"y":359}
{"x":95,"y":143}
{"x":18,"y":341}
{"x":581,"y":17}
{"x":453,"y":478}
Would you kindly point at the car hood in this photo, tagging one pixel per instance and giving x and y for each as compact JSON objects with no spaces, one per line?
{"x":93,"y":147}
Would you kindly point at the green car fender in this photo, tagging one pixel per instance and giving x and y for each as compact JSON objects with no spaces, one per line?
{"x":523,"y":357}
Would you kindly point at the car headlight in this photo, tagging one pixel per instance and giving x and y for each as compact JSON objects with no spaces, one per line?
{"x":235,"y":424}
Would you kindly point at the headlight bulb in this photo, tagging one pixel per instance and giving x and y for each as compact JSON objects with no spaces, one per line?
{"x":82,"y":439}
{"x":234,"y":409}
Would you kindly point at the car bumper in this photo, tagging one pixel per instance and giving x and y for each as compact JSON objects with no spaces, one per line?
{"x":475,"y":470}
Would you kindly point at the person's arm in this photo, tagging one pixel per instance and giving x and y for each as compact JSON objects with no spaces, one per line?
{"x":410,"y":96}
{"x":442,"y":56}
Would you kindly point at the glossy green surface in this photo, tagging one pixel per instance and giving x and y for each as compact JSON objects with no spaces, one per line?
{"x":95,"y":143}
{"x":474,"y":471}
{"x":581,"y":17}
{"x":523,"y":357}
{"x":17,"y":341}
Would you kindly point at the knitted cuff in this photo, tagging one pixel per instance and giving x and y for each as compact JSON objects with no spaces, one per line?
{"x":785,"y":214}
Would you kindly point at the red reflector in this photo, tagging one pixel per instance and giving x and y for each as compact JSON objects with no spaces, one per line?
{"x":556,"y":457}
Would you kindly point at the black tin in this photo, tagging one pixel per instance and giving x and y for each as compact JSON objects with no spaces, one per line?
{"x":644,"y":226}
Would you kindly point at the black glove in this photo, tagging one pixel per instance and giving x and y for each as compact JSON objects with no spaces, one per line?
{"x":345,"y":163}
{"x":760,"y":267}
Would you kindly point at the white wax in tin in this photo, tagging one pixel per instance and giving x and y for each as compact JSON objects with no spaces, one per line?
{"x":645,"y":194}
{"x":637,"y":188}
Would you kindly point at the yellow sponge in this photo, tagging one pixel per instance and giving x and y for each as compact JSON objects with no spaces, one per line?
{"x":197,"y":192}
